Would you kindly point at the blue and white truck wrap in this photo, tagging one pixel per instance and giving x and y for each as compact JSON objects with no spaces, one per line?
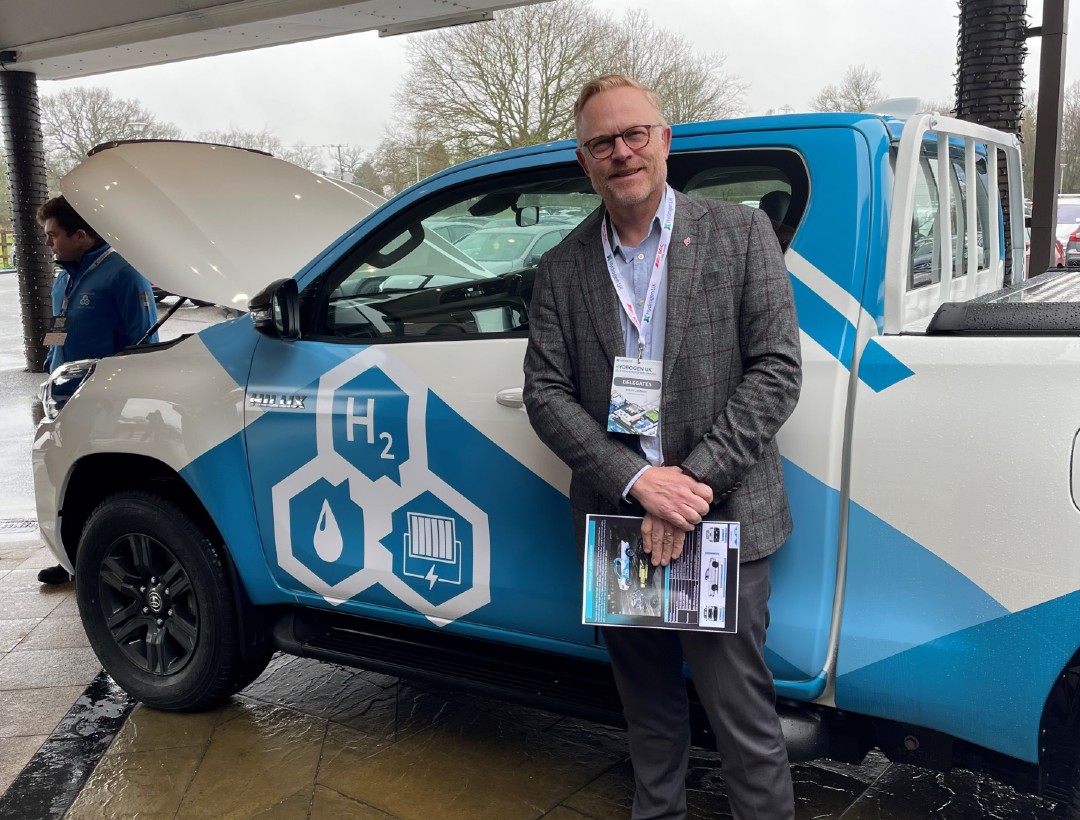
{"x":355,"y":451}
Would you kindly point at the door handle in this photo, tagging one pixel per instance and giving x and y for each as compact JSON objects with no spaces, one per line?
{"x":510,"y":397}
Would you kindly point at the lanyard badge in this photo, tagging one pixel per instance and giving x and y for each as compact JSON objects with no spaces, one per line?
{"x":636,"y":383}
{"x":56,"y":335}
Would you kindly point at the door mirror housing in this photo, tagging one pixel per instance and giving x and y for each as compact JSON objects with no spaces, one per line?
{"x":275,"y":310}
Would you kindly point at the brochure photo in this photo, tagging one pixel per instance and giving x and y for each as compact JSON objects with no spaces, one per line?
{"x":699,"y":590}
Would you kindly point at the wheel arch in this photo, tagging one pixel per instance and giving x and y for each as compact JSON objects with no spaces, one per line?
{"x":98,"y":476}
{"x":1059,"y":734}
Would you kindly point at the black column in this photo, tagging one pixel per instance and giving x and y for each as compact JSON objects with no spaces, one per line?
{"x":29,"y":190}
{"x":1051,"y":109}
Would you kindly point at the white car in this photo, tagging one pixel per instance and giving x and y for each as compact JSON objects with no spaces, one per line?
{"x":506,"y":248}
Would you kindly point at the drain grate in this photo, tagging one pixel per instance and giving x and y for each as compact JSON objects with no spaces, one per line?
{"x":17,"y":524}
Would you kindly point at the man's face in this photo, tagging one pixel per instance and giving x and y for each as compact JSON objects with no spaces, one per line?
{"x":66,"y":247}
{"x":628,"y":176}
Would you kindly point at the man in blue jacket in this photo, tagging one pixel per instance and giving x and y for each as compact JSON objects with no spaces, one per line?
{"x":100,"y":303}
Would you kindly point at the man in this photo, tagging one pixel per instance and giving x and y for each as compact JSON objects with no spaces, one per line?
{"x":100,"y":303}
{"x":699,"y":292}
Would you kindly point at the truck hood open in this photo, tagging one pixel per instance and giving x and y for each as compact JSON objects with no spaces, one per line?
{"x":211,"y":222}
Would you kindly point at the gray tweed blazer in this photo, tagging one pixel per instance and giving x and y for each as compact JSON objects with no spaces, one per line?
{"x":732,"y":367}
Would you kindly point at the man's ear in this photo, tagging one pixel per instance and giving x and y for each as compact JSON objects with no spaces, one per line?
{"x":581,"y":162}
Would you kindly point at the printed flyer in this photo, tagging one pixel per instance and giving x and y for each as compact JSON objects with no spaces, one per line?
{"x":700,"y":590}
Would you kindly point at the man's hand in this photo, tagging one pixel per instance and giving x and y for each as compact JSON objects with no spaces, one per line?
{"x":662,"y":541}
{"x":671,"y":495}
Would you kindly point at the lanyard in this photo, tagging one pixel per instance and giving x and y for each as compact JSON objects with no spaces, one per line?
{"x":71,"y":280}
{"x":644,"y":324}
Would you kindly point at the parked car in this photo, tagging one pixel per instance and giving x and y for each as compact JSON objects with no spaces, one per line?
{"x":1059,"y":253}
{"x":347,"y":473}
{"x":452,"y":231}
{"x":1068,"y":217}
{"x":509,"y":248}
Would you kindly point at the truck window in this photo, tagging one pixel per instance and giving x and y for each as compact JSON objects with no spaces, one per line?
{"x":775,"y":181}
{"x":928,"y":240}
{"x":465,"y":269}
{"x":466,"y":266}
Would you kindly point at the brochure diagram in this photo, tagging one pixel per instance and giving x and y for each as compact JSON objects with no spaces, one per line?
{"x":699,"y":590}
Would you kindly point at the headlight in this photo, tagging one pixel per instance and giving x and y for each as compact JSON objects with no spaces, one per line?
{"x":62,"y":384}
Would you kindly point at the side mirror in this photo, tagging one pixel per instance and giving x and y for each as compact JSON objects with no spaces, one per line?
{"x":275,"y":310}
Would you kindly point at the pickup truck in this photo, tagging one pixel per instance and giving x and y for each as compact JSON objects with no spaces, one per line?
{"x":347,"y":472}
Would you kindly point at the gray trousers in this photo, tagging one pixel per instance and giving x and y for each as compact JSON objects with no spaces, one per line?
{"x":736,"y":689}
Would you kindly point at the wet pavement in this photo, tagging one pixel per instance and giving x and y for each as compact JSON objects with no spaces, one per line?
{"x":314,"y":740}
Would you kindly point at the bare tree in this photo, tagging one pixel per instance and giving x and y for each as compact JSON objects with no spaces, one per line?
{"x":505,"y":83}
{"x":940,"y":106}
{"x":1027,"y":141}
{"x":693,"y":86}
{"x":78,"y":119}
{"x":346,"y":160}
{"x":513,"y":81}
{"x":310,"y":157}
{"x":1070,"y":139}
{"x":257,"y":140}
{"x":859,"y":89}
{"x":407,"y":154}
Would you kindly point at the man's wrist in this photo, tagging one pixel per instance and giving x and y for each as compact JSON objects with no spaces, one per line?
{"x":632,"y":482}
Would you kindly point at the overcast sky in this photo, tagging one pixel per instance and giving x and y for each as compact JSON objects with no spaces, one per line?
{"x":340,"y":90}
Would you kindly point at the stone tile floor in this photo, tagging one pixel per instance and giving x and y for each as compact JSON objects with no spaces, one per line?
{"x":313,"y":740}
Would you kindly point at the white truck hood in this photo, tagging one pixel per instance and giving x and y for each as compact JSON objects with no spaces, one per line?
{"x":210,"y":222}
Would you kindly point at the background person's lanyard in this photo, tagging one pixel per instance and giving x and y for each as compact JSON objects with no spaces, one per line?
{"x":71,"y":281}
{"x":644,"y":324}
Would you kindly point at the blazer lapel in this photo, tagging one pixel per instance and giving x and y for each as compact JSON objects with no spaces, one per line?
{"x":683,"y":276}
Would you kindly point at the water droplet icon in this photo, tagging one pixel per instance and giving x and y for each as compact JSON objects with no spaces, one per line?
{"x":327,"y":537}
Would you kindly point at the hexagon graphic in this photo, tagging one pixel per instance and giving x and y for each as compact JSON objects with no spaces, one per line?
{"x":432,"y":548}
{"x":369,"y":420}
{"x":344,"y":521}
{"x":440,"y":550}
{"x":309,"y":483}
{"x":326,"y":530}
{"x":381,"y":429}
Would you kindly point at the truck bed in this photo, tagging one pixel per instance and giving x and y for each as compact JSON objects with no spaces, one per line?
{"x":1045,"y":305}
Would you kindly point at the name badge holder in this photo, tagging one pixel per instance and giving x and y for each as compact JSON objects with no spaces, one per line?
{"x":636,"y":384}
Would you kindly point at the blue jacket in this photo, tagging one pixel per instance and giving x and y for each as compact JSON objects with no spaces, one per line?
{"x":108,"y":308}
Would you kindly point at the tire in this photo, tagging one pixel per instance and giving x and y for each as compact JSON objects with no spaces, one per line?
{"x":157,"y":605}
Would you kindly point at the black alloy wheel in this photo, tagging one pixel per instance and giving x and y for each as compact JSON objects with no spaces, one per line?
{"x":157,"y":604}
{"x":150,"y":606}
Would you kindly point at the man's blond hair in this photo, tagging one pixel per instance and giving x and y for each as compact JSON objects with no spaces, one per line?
{"x":609,"y":82}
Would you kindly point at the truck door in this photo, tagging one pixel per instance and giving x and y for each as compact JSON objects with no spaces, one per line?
{"x":410,"y":485}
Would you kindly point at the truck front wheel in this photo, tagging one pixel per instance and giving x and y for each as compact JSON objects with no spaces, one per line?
{"x":157,"y":605}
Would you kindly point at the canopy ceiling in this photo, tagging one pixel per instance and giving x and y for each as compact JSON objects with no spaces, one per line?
{"x":61,"y":39}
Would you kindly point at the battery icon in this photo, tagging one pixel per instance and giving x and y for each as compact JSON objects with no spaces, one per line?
{"x":432,"y":550}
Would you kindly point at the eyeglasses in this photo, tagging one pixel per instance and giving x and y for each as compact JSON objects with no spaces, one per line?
{"x":635,"y":137}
